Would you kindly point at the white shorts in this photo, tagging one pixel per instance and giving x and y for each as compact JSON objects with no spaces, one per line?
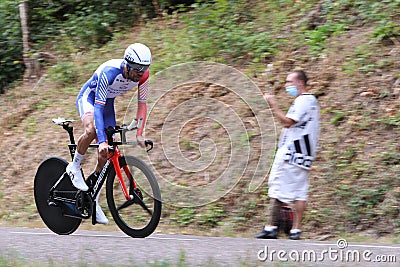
{"x":287,"y":182}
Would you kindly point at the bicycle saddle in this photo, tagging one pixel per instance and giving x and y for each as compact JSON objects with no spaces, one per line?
{"x":61,"y":121}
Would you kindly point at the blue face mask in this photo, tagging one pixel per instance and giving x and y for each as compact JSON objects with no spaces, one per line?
{"x":292,"y":90}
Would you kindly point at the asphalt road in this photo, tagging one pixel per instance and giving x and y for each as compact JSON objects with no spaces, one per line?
{"x":40,"y":246}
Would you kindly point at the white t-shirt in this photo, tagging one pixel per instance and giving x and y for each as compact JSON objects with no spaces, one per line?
{"x":299,"y":142}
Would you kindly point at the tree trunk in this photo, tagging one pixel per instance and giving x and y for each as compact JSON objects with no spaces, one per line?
{"x":157,"y":8}
{"x":31,"y":70}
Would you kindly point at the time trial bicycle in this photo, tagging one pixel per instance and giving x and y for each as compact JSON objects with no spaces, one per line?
{"x":132,"y":192}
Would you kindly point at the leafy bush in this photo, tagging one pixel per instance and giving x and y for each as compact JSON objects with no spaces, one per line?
{"x":227,"y":28}
{"x":65,"y":26}
{"x":339,"y":16}
{"x":88,"y":23}
{"x":93,"y":30}
{"x":64,"y":73}
{"x":184,"y":216}
{"x":211,"y":216}
{"x":172,"y":5}
{"x":11,"y":61}
{"x":318,"y":38}
{"x":384,"y":13}
{"x":386,"y":30}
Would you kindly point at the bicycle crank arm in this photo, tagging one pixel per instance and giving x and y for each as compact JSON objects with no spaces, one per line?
{"x":70,"y":210}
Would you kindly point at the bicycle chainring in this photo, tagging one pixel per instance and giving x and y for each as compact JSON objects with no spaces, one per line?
{"x":84,"y":204}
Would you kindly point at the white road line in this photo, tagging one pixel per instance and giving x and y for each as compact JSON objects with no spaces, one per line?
{"x":103,"y":235}
{"x":174,"y":238}
{"x":30,"y":233}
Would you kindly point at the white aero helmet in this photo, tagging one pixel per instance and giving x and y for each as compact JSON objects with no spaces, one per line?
{"x":138,"y":56}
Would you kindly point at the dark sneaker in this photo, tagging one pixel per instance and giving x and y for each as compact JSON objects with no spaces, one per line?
{"x":265,"y":234}
{"x":295,"y":235}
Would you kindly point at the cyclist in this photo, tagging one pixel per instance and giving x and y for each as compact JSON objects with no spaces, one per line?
{"x":95,"y":103}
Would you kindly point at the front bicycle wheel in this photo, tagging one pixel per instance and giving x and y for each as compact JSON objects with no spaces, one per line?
{"x":48,"y":173}
{"x":139,"y":215}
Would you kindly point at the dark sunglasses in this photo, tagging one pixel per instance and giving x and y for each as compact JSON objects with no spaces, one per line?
{"x":137,"y":67}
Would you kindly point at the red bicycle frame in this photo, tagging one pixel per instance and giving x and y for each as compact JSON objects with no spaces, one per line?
{"x":114,"y":157}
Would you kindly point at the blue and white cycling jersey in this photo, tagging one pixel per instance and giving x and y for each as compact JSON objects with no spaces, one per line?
{"x":97,"y":95}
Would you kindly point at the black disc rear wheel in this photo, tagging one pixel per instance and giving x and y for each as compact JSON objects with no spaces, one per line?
{"x":47,"y":175}
{"x":139,"y":216}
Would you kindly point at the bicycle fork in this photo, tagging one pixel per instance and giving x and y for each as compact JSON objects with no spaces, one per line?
{"x":133,"y":195}
{"x":117,"y":167}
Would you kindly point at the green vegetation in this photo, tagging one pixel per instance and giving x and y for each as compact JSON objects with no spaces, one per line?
{"x":11,"y":63}
{"x":183,"y":216}
{"x":347,"y":45}
{"x":59,"y":20}
{"x":64,"y":27}
{"x":15,"y":261}
{"x":223,"y":30}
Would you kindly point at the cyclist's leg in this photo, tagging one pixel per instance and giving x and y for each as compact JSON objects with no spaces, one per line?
{"x":109,"y":120}
{"x":88,"y":135}
{"x":85,"y":105}
{"x":85,"y":108}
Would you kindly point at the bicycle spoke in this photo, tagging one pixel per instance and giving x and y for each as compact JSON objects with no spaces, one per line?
{"x":135,"y":201}
{"x":141,"y":203}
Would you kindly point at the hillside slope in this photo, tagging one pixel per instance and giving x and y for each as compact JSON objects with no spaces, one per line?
{"x":356,"y":180}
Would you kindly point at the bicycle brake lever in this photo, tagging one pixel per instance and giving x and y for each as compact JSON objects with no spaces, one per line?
{"x":148,"y":143}
{"x":135,"y":124}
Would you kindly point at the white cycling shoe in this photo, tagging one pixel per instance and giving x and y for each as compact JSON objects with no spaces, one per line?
{"x":100,"y":216}
{"x":76,"y":178}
